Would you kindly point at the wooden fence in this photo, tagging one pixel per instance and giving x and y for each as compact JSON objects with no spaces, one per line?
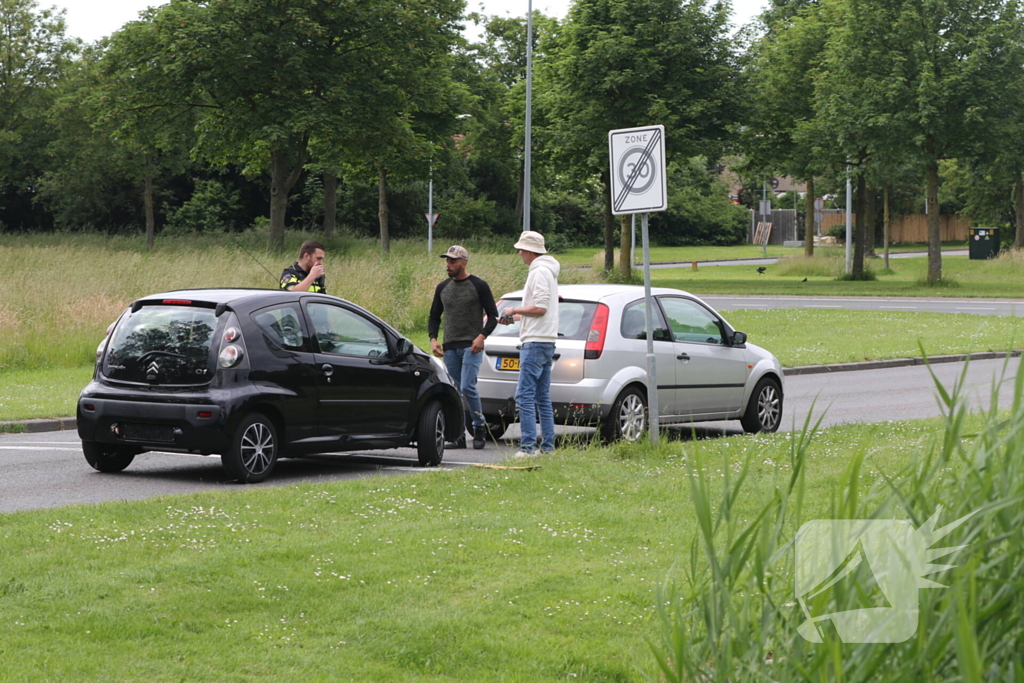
{"x":910,"y":228}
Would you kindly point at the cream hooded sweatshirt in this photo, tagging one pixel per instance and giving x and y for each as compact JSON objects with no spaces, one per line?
{"x":541,"y":290}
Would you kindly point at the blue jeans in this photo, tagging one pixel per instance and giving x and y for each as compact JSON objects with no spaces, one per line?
{"x":464,"y":366}
{"x":533,"y":396}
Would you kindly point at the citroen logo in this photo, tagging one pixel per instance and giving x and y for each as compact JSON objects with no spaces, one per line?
{"x":153,"y":368}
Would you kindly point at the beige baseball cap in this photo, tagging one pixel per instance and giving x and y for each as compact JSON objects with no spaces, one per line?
{"x":456,"y":251}
{"x":531,"y":241}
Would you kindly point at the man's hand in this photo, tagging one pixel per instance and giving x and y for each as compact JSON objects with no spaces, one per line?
{"x":436,"y":349}
{"x":317,"y":271}
{"x":478,"y":344}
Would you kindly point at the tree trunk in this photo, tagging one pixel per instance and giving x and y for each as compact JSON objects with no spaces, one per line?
{"x":860,"y":227}
{"x":1018,"y":238}
{"x":382,"y":208}
{"x":625,"y":248}
{"x":147,"y":201}
{"x":934,"y":230}
{"x":609,"y":224}
{"x":886,"y":223}
{"x":809,"y":212}
{"x":283,"y":177}
{"x":870,"y":216}
{"x":330,"y":203}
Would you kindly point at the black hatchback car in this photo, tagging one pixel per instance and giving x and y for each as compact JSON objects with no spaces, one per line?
{"x":256,"y":375}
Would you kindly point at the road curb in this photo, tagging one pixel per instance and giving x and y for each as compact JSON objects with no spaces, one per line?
{"x":55,"y":424}
{"x":896,"y":363}
{"x":68,"y":423}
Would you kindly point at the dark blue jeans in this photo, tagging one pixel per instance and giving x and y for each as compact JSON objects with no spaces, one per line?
{"x":464,"y":367}
{"x":533,"y":396}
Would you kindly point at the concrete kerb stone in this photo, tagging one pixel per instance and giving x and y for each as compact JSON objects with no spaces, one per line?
{"x":68,"y":423}
{"x":897,"y":362}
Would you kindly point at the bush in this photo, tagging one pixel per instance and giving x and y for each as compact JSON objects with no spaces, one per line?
{"x":210,"y":208}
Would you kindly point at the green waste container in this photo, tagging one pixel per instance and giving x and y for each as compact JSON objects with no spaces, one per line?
{"x":983,"y":243}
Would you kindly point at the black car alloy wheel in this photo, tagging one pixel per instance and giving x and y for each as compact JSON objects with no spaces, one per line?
{"x":253,"y":452}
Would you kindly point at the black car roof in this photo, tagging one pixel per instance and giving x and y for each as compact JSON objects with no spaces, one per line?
{"x":234,"y":296}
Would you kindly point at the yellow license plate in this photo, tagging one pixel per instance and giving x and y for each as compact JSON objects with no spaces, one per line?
{"x":507,"y":364}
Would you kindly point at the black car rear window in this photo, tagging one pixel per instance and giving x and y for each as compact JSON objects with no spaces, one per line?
{"x":162,"y":344}
{"x":573,"y":319}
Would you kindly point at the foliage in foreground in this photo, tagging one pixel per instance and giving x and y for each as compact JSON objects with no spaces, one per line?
{"x":730,"y":614}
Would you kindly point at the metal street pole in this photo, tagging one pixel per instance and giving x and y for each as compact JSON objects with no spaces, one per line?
{"x":430,"y":213}
{"x":652,"y":370}
{"x":849,"y":224}
{"x":632,"y":229}
{"x":529,"y":106}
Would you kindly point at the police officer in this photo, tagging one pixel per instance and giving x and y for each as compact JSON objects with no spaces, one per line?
{"x":306,"y":274}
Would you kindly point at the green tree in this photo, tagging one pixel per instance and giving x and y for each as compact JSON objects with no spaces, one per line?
{"x":263,"y":77}
{"x":618,"y":64}
{"x":922,"y":79}
{"x":33,"y":56}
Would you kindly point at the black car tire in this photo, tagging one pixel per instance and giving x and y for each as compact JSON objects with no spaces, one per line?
{"x":253,"y":451}
{"x":430,"y":435}
{"x":496,"y":427}
{"x":105,"y":457}
{"x":627,"y":420}
{"x":764,"y":410}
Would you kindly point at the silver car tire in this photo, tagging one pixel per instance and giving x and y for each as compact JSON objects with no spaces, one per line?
{"x":764,"y":410}
{"x":627,"y":420}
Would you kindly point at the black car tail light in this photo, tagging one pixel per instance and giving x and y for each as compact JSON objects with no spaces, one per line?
{"x":597,"y":334}
{"x":232,"y":353}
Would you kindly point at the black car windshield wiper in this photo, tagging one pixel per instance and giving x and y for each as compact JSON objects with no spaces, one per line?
{"x":147,"y":354}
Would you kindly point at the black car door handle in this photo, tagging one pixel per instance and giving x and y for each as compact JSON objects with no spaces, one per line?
{"x":683,"y":356}
{"x":328,"y":369}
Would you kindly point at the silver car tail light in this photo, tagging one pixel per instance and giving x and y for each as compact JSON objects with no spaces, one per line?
{"x":232,"y":353}
{"x":598,"y":333}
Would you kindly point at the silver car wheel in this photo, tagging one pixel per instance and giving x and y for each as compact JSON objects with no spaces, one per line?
{"x":439,"y":431}
{"x":768,"y":409}
{"x":632,"y":417}
{"x":257,"y":448}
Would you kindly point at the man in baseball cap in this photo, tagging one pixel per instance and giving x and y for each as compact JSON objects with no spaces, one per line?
{"x":538,"y":334}
{"x":463,"y":299}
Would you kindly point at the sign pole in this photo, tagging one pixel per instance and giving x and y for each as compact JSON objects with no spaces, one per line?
{"x":430,"y":213}
{"x":652,"y":370}
{"x":632,"y":229}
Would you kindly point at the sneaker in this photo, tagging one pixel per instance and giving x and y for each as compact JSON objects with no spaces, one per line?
{"x":525,"y":453}
{"x":457,"y":444}
{"x":479,"y":437}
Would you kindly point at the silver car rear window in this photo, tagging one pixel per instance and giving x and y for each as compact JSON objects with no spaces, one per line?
{"x":573,"y":319}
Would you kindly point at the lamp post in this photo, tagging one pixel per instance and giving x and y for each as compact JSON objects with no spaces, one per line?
{"x":430,"y":199}
{"x":529,"y":105}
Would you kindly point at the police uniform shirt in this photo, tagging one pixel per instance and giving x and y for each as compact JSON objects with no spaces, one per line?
{"x":294,"y":274}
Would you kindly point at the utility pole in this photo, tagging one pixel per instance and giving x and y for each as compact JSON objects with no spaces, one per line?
{"x":529,"y":106}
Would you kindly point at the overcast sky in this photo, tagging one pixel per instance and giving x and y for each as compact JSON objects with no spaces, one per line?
{"x":92,"y":19}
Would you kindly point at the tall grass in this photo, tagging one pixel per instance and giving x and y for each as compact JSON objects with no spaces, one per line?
{"x":61,"y":291}
{"x":730,"y":614}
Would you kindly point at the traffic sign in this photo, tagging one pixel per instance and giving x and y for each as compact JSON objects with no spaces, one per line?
{"x":431,"y":219}
{"x":819,"y":204}
{"x":637,"y":157}
{"x":818,"y":216}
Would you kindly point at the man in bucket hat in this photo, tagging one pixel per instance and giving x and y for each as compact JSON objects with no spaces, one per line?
{"x":538,"y":333}
{"x":463,"y":299}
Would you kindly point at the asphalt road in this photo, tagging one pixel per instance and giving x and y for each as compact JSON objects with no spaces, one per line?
{"x":48,"y":470}
{"x":999,"y":307}
{"x":769,"y":260}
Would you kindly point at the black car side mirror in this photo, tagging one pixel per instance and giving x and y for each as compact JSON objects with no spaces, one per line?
{"x":739,"y":338}
{"x":403,"y":349}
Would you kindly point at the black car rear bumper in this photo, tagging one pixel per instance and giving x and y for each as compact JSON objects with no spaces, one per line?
{"x":197,"y":428}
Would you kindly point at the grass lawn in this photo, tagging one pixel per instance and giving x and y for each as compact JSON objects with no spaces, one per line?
{"x":462,"y":575}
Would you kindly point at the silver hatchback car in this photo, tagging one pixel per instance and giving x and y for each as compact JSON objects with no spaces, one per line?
{"x":706,"y":370}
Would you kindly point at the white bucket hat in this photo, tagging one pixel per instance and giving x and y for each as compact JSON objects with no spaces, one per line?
{"x":531,"y":241}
